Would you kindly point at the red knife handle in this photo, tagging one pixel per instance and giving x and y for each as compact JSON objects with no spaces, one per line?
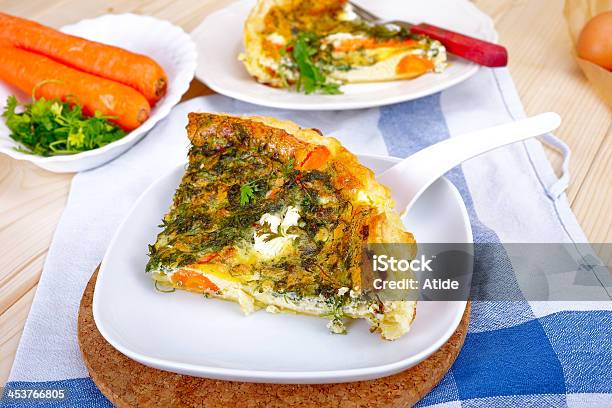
{"x":470,"y":48}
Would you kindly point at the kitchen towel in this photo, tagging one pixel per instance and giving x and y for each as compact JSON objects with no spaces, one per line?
{"x":519,"y":353}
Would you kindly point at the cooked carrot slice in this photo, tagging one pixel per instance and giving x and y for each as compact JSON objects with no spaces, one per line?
{"x":207,"y":258}
{"x":413,"y":65}
{"x":272,"y":193}
{"x":194,"y":281}
{"x":315,"y":159}
{"x":371,"y":43}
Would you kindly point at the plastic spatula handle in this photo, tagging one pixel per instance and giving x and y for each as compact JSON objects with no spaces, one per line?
{"x":470,"y":48}
{"x":409,"y":178}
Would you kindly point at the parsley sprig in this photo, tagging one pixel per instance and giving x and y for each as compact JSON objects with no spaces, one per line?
{"x":52,"y":127}
{"x":247,"y":193}
{"x":266,"y":229}
{"x":303,"y":49}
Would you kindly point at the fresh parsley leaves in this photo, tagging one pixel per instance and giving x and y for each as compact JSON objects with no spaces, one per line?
{"x":289,"y":168}
{"x":247,"y":193}
{"x":52,"y":127}
{"x":266,"y":229}
{"x":303,"y":50}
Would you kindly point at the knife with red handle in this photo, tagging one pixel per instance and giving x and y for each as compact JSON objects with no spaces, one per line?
{"x":470,"y":48}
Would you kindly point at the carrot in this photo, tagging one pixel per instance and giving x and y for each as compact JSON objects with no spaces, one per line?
{"x":32,"y":72}
{"x":193,"y":281}
{"x":207,"y":258}
{"x":315,"y":159}
{"x":413,"y":65}
{"x":371,"y":43}
{"x":272,"y":193}
{"x":135,"y":70}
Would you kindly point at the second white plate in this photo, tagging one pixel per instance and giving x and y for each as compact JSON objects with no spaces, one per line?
{"x":219,"y":41}
{"x":188,"y":334}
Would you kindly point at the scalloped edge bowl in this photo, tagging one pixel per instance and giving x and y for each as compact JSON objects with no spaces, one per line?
{"x":161,"y":40}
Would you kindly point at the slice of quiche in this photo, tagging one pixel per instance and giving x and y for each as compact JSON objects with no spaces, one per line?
{"x":274,"y":216}
{"x":318,"y":44}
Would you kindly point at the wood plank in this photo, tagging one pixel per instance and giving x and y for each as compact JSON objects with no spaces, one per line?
{"x":186,"y":13}
{"x":11,"y":327}
{"x":196,"y":88}
{"x":31,"y":202}
{"x":548,"y":78}
{"x":593,"y":202}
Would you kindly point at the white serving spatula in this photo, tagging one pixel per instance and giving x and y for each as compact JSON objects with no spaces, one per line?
{"x":409,"y":178}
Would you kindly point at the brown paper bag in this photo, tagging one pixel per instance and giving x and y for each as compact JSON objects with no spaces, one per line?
{"x":577,"y":14}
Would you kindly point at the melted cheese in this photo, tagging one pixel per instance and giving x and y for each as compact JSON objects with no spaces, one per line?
{"x":374,"y":200}
{"x":337,"y":38}
{"x":347,"y":13}
{"x":271,"y":248}
{"x":276,"y":38}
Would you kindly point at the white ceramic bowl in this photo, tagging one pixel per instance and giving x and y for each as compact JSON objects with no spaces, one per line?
{"x":188,"y":334}
{"x":166,"y":43}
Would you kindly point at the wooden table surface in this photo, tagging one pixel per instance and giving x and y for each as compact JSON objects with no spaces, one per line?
{"x":547,"y":78}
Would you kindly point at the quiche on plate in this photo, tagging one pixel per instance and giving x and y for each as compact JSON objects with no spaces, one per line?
{"x":276,"y":217}
{"x":317,"y":45}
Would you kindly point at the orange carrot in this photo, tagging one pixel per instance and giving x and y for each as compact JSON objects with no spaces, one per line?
{"x":135,"y":70}
{"x":354,"y":44}
{"x":28,"y":72}
{"x":208,"y":257}
{"x":193,"y":281}
{"x":315,"y":159}
{"x":413,"y":65}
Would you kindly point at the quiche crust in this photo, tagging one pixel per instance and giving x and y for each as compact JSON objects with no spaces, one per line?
{"x":314,"y":214}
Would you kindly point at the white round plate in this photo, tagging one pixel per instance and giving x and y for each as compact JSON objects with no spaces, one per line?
{"x":186,"y":333}
{"x":166,"y":43}
{"x":219,"y":41}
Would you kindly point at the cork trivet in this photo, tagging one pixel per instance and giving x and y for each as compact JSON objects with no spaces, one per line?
{"x":127,"y":383}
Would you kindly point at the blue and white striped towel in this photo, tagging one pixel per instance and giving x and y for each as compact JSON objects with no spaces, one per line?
{"x":516,"y":353}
